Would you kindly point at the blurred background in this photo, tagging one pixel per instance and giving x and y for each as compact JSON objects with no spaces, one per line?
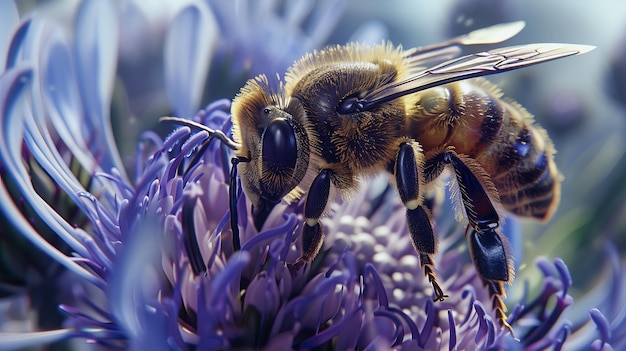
{"x":581,"y":101}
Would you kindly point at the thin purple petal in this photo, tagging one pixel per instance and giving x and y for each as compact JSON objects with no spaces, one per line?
{"x":429,"y":325}
{"x":383,"y":301}
{"x":9,"y":19}
{"x":565,"y":331}
{"x":12,"y":84}
{"x":232,"y":271}
{"x":452,"y":342}
{"x":566,"y":277}
{"x":61,"y":98}
{"x":399,"y":333}
{"x":269,"y":234}
{"x":189,"y":48}
{"x":602,"y":324}
{"x":415,"y":334}
{"x":132,"y":282}
{"x":354,"y":320}
{"x":19,"y":341}
{"x":13,"y":51}
{"x":96,"y":44}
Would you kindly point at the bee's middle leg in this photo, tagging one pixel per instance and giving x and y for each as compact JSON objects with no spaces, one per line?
{"x":408,"y":171}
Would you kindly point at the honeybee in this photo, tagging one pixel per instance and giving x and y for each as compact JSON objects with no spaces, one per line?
{"x":354,"y":110}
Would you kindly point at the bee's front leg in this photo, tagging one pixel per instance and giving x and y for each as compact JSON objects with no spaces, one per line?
{"x":232,"y":202}
{"x":408,"y":171}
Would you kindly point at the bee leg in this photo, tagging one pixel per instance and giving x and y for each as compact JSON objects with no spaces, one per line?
{"x":261,"y":211}
{"x":232,"y":203}
{"x":486,"y":245}
{"x":491,"y":262}
{"x":409,"y":181}
{"x":317,"y":198}
{"x":423,"y":238}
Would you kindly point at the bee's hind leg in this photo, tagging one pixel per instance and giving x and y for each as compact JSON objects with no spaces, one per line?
{"x":487,"y":247}
{"x":408,"y":170}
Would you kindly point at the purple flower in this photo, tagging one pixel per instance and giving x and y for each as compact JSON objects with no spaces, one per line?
{"x":147,"y":251}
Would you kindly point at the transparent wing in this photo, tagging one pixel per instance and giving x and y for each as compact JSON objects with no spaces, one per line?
{"x":426,"y":56}
{"x":469,"y":66}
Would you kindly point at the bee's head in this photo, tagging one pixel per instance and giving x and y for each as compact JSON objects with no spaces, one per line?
{"x":274,"y":144}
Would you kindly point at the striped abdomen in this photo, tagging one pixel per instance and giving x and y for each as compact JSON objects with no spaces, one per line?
{"x":500,"y":134}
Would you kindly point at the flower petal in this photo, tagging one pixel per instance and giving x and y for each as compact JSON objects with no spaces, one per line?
{"x":381,"y":327}
{"x":189,"y":48}
{"x":134,"y":286}
{"x":566,"y":277}
{"x":19,"y":341}
{"x":270,"y":234}
{"x":9,"y":19}
{"x":263,"y":294}
{"x":17,"y":43}
{"x":96,"y":44}
{"x":604,"y":328}
{"x":340,"y":329}
{"x":61,"y":98}
{"x":12,"y":107}
{"x":452,"y":342}
{"x":383,"y":301}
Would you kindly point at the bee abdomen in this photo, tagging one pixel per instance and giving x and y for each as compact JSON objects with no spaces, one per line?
{"x":530,"y":185}
{"x":538,"y":199}
{"x":500,"y":134}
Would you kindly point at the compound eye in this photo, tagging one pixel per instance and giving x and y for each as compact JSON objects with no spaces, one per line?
{"x":279,"y":145}
{"x":278,"y":159}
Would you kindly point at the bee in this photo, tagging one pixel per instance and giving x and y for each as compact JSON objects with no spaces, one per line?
{"x":350,"y":111}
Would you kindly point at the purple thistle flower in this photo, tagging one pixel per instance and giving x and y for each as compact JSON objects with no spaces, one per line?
{"x":152,"y":265}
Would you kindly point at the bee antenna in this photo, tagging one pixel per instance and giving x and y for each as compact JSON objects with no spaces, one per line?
{"x":231,"y":144}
